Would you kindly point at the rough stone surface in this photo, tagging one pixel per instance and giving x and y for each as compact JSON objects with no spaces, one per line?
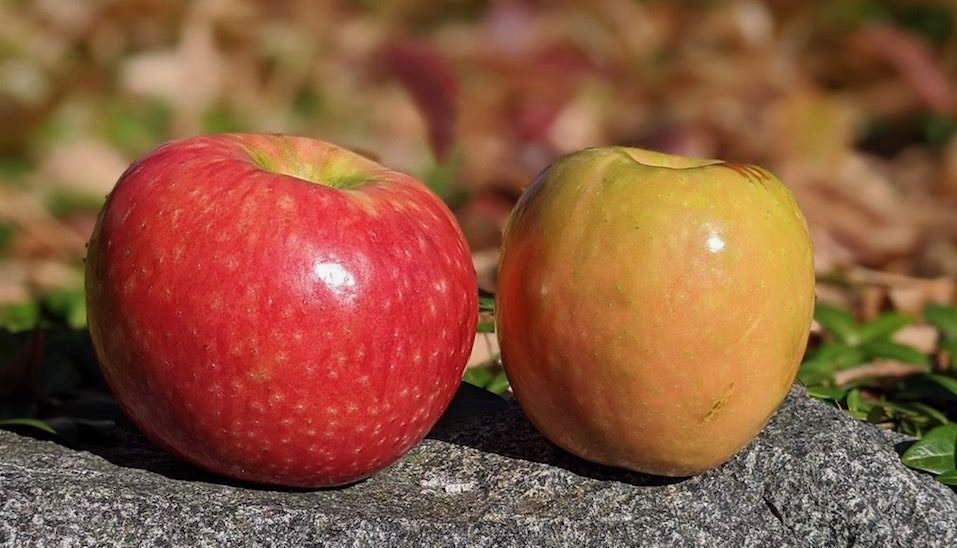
{"x":814,"y":477}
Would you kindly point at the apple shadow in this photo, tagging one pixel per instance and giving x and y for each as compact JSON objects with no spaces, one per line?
{"x":124,"y":446}
{"x":128,"y":448}
{"x":510,"y":434}
{"x":475,"y":418}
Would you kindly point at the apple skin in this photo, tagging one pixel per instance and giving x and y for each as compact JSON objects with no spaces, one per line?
{"x":652,"y":310}
{"x":279,"y":310}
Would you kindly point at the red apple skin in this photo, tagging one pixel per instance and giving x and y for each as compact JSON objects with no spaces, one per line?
{"x":273,"y":329}
{"x":652,"y":310}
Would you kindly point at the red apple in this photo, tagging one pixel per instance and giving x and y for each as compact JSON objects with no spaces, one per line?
{"x":277,"y":309}
{"x":652,"y":310}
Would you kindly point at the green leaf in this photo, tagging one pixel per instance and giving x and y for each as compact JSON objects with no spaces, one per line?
{"x":949,"y":477}
{"x":34,"y":423}
{"x":840,"y":354}
{"x":135,"y":126}
{"x":826,"y":392}
{"x":222,"y":119}
{"x":814,"y":373}
{"x":938,"y":129}
{"x":856,"y":406}
{"x":838,"y":321}
{"x":883,"y":326}
{"x":946,"y":382}
{"x":877,"y":414}
{"x":442,"y":177}
{"x":68,"y":304}
{"x":934,"y":452}
{"x":895,"y":351}
{"x":63,"y":203}
{"x":943,"y":318}
{"x":479,"y":376}
{"x":499,"y":383}
{"x":14,"y":167}
{"x":19,"y":317}
{"x":860,"y":409}
{"x":828,"y":358}
{"x":6,"y":234}
{"x":487,"y":304}
{"x":485,"y":327}
{"x":950,"y":346}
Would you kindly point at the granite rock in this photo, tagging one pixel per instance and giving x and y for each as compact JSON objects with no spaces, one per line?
{"x":813,"y":477}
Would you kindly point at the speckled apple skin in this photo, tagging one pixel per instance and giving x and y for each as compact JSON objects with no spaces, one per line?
{"x":652,"y":310}
{"x":272,"y":329}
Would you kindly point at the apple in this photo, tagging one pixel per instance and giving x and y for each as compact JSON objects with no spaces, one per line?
{"x":652,"y":310}
{"x":277,"y":309}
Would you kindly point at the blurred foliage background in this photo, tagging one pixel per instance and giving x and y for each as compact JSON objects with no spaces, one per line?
{"x":851,"y":102}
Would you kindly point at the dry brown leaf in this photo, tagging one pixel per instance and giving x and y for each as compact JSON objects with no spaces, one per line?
{"x":101,"y":165}
{"x":859,"y":209}
{"x":939,"y":257}
{"x":190,"y":77}
{"x":870,"y":301}
{"x":830,"y":294}
{"x":425,"y":73}
{"x":485,"y":262}
{"x":907,"y":293}
{"x":48,"y":275}
{"x":484,"y":350}
{"x":911,"y":299}
{"x":922,"y":337}
{"x":13,"y":282}
{"x":813,"y":128}
{"x":913,"y":60}
{"x":876,"y":368}
{"x":948,"y":179}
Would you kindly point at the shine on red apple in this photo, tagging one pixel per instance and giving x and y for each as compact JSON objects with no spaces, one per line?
{"x":277,"y":309}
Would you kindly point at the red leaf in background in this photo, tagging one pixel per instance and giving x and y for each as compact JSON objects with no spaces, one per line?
{"x":427,"y":76}
{"x":541,"y":82}
{"x":913,"y":59}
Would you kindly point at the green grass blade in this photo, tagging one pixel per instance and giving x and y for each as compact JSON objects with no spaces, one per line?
{"x":28,"y":422}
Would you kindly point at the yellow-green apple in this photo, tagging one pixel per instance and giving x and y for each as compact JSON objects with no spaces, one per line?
{"x":277,"y":309}
{"x":652,"y":310}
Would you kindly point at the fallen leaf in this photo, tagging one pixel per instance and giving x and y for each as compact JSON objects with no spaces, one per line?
{"x":922,"y":337}
{"x":876,"y":368}
{"x":429,"y":79}
{"x":913,"y":59}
